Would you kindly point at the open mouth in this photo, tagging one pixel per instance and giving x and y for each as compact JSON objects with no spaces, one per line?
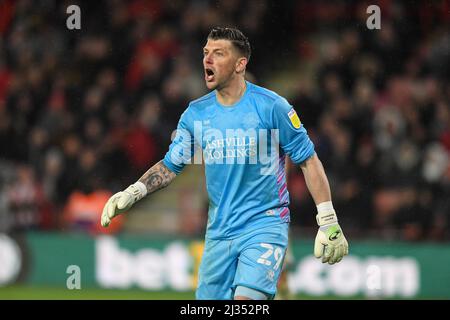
{"x":209,"y":74}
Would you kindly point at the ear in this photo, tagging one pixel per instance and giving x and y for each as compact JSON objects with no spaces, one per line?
{"x":241,"y":64}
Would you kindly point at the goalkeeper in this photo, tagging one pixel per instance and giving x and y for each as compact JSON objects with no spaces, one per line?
{"x":248,"y":216}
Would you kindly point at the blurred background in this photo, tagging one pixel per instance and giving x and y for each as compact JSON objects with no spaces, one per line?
{"x":85,"y":112}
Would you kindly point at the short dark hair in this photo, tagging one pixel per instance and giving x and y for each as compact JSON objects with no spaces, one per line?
{"x":237,"y":38}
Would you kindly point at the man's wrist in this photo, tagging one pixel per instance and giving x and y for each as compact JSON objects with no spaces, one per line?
{"x":138,"y":190}
{"x":325,"y":214}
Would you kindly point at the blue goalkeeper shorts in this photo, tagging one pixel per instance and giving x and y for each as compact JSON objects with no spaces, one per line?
{"x":253,"y":260}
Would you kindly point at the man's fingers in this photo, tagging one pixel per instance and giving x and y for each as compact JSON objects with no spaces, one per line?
{"x":331,"y":250}
{"x":117,"y":202}
{"x":328,"y":253}
{"x":123,"y":201}
{"x":318,"y":248}
{"x":105,"y":220}
{"x":338,"y":253}
{"x":112,"y":207}
{"x":334,"y":257}
{"x":104,"y":213}
{"x":339,"y":259}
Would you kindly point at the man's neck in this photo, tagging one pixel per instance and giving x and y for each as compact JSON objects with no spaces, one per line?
{"x":231,"y":94}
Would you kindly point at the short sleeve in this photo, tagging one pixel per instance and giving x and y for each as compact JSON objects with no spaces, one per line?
{"x":293,"y":137}
{"x":181,"y":149}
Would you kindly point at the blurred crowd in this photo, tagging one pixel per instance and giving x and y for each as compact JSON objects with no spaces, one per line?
{"x":379,"y":115}
{"x":83,"y":113}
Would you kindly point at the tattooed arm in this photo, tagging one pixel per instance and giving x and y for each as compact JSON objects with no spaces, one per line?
{"x":157,"y":177}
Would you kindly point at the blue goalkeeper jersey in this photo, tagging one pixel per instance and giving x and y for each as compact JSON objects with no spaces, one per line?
{"x":243,"y":148}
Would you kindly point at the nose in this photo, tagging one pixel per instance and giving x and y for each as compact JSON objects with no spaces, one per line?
{"x":207,"y":59}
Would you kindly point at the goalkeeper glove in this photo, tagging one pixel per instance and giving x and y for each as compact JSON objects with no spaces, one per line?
{"x":122,"y":201}
{"x":330,"y":242}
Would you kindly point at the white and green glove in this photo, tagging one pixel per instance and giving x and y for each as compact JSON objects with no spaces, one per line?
{"x":330,"y":243}
{"x":122,"y":201}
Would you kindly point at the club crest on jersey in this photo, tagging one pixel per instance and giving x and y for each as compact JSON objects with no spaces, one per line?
{"x":295,"y":120}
